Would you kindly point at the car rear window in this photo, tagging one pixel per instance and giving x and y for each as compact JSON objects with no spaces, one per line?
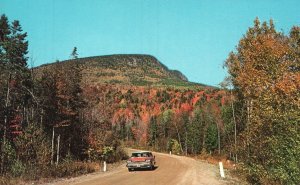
{"x":136,"y":155}
{"x":146,"y":154}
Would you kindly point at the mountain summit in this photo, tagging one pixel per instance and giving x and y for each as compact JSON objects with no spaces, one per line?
{"x":127,"y":69}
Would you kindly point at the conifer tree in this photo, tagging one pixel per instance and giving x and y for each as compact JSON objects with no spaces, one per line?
{"x":15,"y":79}
{"x":74,"y":54}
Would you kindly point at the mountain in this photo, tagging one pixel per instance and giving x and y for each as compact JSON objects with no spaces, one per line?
{"x":129,"y":69}
{"x":136,"y":99}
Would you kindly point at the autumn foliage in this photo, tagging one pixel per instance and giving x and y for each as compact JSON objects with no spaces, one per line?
{"x":265,"y":74}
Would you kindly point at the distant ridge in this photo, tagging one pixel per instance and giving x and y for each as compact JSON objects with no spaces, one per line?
{"x":126,"y":69}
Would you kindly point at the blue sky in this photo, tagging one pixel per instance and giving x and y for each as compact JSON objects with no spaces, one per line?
{"x":193,"y":36}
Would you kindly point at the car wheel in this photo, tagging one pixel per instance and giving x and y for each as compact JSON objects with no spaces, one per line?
{"x":130,"y":169}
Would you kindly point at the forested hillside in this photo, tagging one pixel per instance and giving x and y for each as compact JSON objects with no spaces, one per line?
{"x":137,"y":70}
{"x":149,"y":114}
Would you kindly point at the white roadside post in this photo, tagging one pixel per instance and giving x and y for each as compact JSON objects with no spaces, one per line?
{"x":170,"y":153}
{"x":104,"y":166}
{"x":221,"y":170}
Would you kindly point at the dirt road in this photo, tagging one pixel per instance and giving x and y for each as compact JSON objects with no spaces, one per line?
{"x":170,"y":170}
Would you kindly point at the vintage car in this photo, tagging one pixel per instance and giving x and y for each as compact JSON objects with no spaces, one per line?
{"x":142,"y":159}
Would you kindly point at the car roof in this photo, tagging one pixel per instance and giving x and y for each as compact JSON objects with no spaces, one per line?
{"x":141,"y":152}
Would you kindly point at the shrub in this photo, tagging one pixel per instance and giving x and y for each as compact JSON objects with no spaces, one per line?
{"x":174,"y":146}
{"x":17,"y":168}
{"x":112,"y":154}
{"x":71,"y":169}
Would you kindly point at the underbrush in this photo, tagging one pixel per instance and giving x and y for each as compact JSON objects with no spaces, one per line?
{"x":34,"y":173}
{"x":215,"y":159}
{"x":71,"y":169}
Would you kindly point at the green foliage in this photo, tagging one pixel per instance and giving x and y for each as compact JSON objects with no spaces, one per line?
{"x":174,"y":146}
{"x":14,"y":80}
{"x":33,"y":147}
{"x":211,"y":142}
{"x":17,"y":168}
{"x":140,"y":82}
{"x":195,"y":132}
{"x":166,"y":122}
{"x":111,"y":154}
{"x":153,"y":132}
{"x":107,"y":150}
{"x":10,"y":156}
{"x":228,"y":134}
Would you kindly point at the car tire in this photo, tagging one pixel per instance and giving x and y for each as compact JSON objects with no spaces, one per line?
{"x":130,"y":169}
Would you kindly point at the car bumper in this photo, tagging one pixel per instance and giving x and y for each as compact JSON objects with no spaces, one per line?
{"x":139,"y":165}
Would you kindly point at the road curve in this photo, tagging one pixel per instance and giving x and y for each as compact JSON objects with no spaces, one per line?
{"x":170,"y":170}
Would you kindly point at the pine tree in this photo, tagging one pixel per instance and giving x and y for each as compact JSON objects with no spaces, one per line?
{"x":74,"y":54}
{"x":153,"y":132}
{"x":15,"y":79}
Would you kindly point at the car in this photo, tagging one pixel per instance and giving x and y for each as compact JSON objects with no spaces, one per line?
{"x":141,"y":160}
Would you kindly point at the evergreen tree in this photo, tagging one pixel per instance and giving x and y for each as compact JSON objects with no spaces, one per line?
{"x":195,"y":131}
{"x":153,"y":132}
{"x":15,"y":79}
{"x":74,"y":54}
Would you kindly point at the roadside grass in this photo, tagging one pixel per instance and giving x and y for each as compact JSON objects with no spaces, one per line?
{"x":227,"y":164}
{"x":48,"y":173}
{"x":235,"y":173}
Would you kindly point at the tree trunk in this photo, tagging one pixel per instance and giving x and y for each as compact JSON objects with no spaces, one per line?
{"x":179,"y":140}
{"x":57,"y":155}
{"x":204,"y":124}
{"x":52,"y":148}
{"x":5,"y":125}
{"x":42,"y":112}
{"x":249,"y":116}
{"x":219,"y":139}
{"x":234,"y":122}
{"x":186,"y":137}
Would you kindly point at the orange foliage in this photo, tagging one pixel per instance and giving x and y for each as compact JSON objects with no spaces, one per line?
{"x":156,"y":110}
{"x":195,"y":100}
{"x":146,"y":104}
{"x":125,"y":114}
{"x":185,"y":107}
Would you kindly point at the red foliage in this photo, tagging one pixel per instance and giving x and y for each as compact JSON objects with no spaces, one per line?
{"x":223,"y":100}
{"x":195,"y":100}
{"x":123,"y":114}
{"x":208,"y":97}
{"x":156,"y":110}
{"x":185,"y":107}
{"x":145,"y":117}
{"x":146,"y":104}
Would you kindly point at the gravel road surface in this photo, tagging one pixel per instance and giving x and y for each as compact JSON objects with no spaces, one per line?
{"x":170,"y":170}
